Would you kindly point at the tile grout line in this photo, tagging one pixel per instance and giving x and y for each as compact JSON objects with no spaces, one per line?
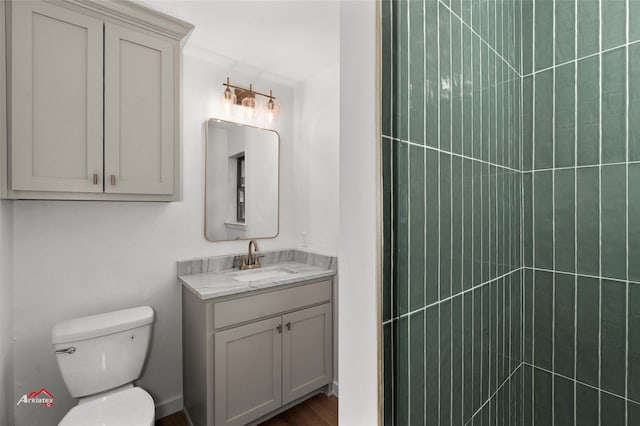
{"x":439,"y":171}
{"x":600,"y":210}
{"x":585,"y":166}
{"x":553,"y":224}
{"x":451,"y":78}
{"x":424,"y":162}
{"x":596,"y":277}
{"x":409,"y":185}
{"x":575,"y":213}
{"x":627,"y":158}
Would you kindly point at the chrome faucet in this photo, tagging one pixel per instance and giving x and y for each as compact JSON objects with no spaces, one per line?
{"x":252,"y":260}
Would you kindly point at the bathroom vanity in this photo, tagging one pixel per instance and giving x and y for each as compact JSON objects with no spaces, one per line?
{"x":255,"y":342}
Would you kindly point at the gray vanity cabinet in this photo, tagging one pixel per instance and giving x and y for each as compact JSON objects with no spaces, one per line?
{"x":248,"y":355}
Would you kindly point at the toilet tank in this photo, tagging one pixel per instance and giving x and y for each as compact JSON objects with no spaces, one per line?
{"x":101,"y":352}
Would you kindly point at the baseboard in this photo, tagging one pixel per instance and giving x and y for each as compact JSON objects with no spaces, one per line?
{"x":171,"y":406}
{"x":333,"y":389}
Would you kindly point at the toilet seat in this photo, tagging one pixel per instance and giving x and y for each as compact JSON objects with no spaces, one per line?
{"x":130,"y":407}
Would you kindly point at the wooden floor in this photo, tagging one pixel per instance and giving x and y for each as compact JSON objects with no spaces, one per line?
{"x":320,"y":410}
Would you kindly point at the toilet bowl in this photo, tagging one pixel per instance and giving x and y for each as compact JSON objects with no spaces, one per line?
{"x":99,"y":357}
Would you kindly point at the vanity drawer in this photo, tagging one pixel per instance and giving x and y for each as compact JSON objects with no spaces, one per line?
{"x":262,"y":305}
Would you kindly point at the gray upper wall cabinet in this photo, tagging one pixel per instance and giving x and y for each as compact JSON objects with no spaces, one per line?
{"x":93,"y":101}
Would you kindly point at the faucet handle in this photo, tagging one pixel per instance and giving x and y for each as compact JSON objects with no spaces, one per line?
{"x":238,"y":261}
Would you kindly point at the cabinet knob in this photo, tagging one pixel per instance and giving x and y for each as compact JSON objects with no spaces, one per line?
{"x":113,"y":180}
{"x":95,"y":179}
{"x":279,"y":328}
{"x":288,"y":326}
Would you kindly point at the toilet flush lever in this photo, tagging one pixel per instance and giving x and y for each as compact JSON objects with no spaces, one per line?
{"x":68,"y":351}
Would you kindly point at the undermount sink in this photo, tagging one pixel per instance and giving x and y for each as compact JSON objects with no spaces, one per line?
{"x":261,"y":274}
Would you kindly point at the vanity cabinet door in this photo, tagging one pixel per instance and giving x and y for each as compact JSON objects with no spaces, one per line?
{"x":139,"y":112}
{"x":56,"y":99}
{"x":248,"y":372}
{"x":306,"y":351}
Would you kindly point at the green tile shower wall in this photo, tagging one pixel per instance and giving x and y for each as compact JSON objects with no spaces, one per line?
{"x":452,"y":194}
{"x":581,"y":212}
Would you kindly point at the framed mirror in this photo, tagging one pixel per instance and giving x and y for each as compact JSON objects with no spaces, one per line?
{"x":242,"y":181}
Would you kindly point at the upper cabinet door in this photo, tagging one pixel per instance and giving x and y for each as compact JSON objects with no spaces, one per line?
{"x":56,"y":99}
{"x":139,"y":113}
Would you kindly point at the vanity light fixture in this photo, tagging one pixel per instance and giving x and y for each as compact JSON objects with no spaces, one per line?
{"x":247,"y":99}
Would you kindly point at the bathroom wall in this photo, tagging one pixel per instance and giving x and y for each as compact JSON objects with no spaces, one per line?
{"x":79,"y":258}
{"x":582,"y":212}
{"x":451,"y":197}
{"x":6,"y":313}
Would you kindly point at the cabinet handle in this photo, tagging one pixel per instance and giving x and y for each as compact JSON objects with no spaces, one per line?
{"x":289,"y":326}
{"x":113,"y":180}
{"x":95,"y":179}
{"x":279,"y":328}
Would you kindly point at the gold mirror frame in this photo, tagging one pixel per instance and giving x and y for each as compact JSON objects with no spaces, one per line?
{"x":206,"y":177}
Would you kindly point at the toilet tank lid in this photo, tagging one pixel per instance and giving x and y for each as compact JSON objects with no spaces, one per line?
{"x":101,"y":324}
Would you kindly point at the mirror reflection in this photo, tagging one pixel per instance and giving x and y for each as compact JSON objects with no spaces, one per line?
{"x":242,"y":189}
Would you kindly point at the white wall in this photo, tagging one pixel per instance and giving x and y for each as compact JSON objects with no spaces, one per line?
{"x":6,"y":313}
{"x":317,"y":159}
{"x":358,"y":216}
{"x":79,"y":258}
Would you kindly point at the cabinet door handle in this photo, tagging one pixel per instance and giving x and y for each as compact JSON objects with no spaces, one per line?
{"x":279,"y":328}
{"x":288,"y":326}
{"x":113,"y":180}
{"x":95,"y":179}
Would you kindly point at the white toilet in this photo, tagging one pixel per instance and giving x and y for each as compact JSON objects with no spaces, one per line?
{"x":99,"y":357}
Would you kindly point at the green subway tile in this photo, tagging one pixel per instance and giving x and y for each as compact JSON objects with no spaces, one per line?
{"x":543,"y":34}
{"x":517,"y":60}
{"x":564,"y":330}
{"x":634,"y":100}
{"x":528,"y":315}
{"x":401,"y":225}
{"x":542,"y":401}
{"x":565,"y":30}
{"x":588,"y":111}
{"x":466,"y":12}
{"x":490,"y":35}
{"x":445,"y":78}
{"x":485,"y":342}
{"x":417,"y":367}
{"x":490,"y":141}
{"x":475,"y":15}
{"x":447,"y":2}
{"x":634,"y":16}
{"x":588,"y":221}
{"x":614,"y":99}
{"x":400,"y":59}
{"x":468,"y":357}
{"x":456,"y":360}
{"x":527,"y":36}
{"x":486,"y":210}
{"x":587,"y":412}
{"x":633,"y":413}
{"x":527,"y":124}
{"x":484,"y":19}
{"x":456,"y":7}
{"x":588,"y":27}
{"x":516,"y":320}
{"x":527,"y":395}
{"x":499,"y":104}
{"x":433,"y":227}
{"x":477,"y":223}
{"x":493,"y":219}
{"x":445,"y":362}
{"x":386,"y":94}
{"x":634,"y":221}
{"x":388,"y":397}
{"x":564,"y":200}
{"x":614,"y":23}
{"x":588,"y":329}
{"x":401,"y":385}
{"x":613,"y":410}
{"x":445,"y":225}
{"x":563,"y":401}
{"x":486,"y":107}
{"x":456,"y":86}
{"x":614,"y":221}
{"x":565,"y":116}
{"x":467,"y":223}
{"x":543,"y":219}
{"x":433,"y":352}
{"x":613,"y":328}
{"x":467,"y":92}
{"x":416,"y":228}
{"x":477,"y":100}
{"x":431,"y":70}
{"x":528,"y":218}
{"x":477,"y":348}
{"x":543,"y":320}
{"x":387,"y":280}
{"x":456,"y":225}
{"x":634,"y":342}
{"x":493,"y":336}
{"x":416,"y":73}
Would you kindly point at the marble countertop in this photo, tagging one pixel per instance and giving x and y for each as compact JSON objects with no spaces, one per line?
{"x":210,"y":285}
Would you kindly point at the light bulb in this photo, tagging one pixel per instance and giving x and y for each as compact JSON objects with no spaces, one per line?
{"x":272,"y":109}
{"x":228,"y":101}
{"x":249,"y":106}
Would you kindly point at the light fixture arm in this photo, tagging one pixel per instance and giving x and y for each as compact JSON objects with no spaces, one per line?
{"x":228,"y":85}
